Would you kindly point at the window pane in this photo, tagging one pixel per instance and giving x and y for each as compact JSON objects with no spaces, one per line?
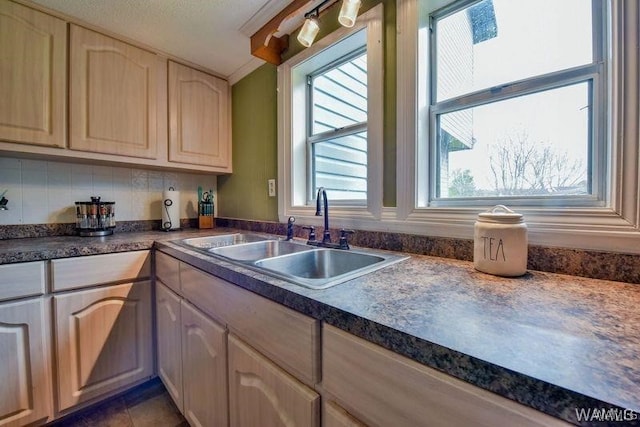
{"x":499,"y":41}
{"x":340,"y":96}
{"x":533,"y":145}
{"x":340,"y":166}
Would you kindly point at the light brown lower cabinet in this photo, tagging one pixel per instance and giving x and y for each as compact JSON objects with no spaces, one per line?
{"x":169,"y":342}
{"x":204,"y":369}
{"x":103,"y":340}
{"x":25,"y":393}
{"x":382,"y":388}
{"x":192,"y":359}
{"x":273,"y":356}
{"x":263,"y":395}
{"x":259,"y":377}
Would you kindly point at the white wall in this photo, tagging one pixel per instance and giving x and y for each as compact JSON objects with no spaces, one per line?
{"x":41,"y":192}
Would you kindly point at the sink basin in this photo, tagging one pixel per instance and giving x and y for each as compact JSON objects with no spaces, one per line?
{"x":255,"y":251}
{"x":322,"y":268}
{"x":221,"y":240}
{"x":304,"y":265}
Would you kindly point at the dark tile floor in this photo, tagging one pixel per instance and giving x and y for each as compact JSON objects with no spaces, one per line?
{"x":147,"y":405}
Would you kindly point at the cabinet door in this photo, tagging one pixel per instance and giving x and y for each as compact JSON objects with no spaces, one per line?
{"x":204,"y":355}
{"x":335,"y":416}
{"x":25,"y":395}
{"x":169,"y":342}
{"x":263,"y":395}
{"x":103,"y":340}
{"x":112,"y":95}
{"x":32,"y":76}
{"x":286,"y":337}
{"x":198,"y":118}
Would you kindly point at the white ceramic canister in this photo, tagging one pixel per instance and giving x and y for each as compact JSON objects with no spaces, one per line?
{"x":500,"y":242}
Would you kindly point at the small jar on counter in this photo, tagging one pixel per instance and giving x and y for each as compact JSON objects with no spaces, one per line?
{"x":500,"y":242}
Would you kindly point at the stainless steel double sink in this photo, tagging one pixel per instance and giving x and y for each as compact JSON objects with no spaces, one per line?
{"x":304,"y":265}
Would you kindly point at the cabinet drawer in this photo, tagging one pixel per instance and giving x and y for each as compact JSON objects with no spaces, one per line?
{"x":22,"y":280}
{"x":285,"y":336}
{"x":71,"y":273}
{"x":383,"y":388}
{"x":167,"y":270}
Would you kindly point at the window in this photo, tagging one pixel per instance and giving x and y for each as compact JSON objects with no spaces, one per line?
{"x":330,"y":134}
{"x":516,"y":94}
{"x":544,"y":120}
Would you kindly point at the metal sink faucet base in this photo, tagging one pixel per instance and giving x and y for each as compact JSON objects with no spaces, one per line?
{"x":326,"y":235}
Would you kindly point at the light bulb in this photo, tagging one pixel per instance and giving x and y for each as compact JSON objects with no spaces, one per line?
{"x":349,"y":13}
{"x":308,"y":32}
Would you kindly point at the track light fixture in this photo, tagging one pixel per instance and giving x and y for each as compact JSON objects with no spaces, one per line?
{"x":310,"y":28}
{"x":349,"y":13}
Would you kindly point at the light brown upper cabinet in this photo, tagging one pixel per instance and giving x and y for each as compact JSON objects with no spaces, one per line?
{"x":32,"y":76}
{"x":198,"y":118}
{"x":113,"y":96}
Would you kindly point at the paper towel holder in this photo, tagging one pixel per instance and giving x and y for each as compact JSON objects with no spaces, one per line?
{"x":168,"y":224}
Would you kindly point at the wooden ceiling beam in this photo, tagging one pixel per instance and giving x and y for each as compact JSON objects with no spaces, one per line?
{"x":272,"y":50}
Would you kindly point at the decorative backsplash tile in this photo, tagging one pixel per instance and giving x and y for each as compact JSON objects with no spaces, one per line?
{"x":45,"y":192}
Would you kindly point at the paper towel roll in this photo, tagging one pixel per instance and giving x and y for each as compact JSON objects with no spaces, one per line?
{"x":170,"y":210}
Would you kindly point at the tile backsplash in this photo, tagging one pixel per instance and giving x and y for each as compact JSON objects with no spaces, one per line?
{"x":45,"y":192}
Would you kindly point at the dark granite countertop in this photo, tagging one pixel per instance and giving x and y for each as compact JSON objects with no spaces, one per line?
{"x":44,"y":248}
{"x":554,"y":342}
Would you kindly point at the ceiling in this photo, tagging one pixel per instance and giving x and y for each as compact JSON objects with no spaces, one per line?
{"x":211,"y":33}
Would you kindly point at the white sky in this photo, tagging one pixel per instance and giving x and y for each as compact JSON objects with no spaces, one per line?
{"x":534,"y":37}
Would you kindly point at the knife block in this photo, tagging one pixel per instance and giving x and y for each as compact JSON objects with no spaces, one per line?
{"x":206,"y":221}
{"x":205,"y":215}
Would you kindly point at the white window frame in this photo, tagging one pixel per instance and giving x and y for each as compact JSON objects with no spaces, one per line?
{"x":595,"y":71}
{"x":614,"y":227}
{"x":292,"y":129}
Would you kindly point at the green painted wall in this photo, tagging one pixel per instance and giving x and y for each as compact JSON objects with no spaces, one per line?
{"x":243,"y":194}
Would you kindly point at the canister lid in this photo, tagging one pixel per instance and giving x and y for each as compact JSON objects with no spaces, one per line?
{"x":500,"y":214}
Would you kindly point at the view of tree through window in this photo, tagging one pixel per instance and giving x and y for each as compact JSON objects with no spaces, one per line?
{"x":512,"y":98}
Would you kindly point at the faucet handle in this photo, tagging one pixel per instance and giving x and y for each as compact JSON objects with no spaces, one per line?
{"x":312,"y":232}
{"x":344,"y":234}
